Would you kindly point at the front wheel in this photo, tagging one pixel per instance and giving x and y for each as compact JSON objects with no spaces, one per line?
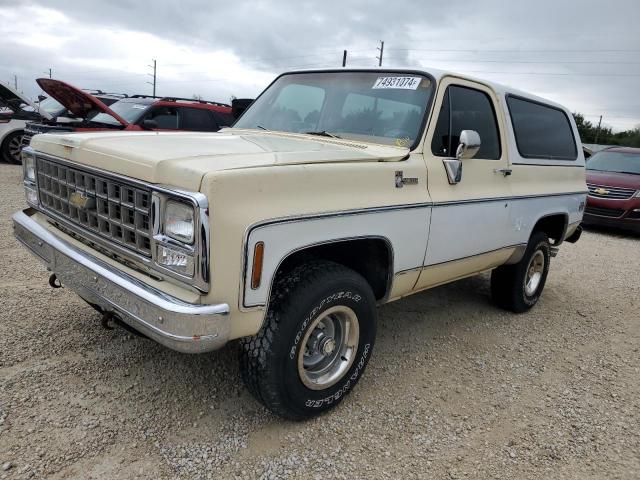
{"x":518,"y":287}
{"x":315,"y":343}
{"x":12,"y":147}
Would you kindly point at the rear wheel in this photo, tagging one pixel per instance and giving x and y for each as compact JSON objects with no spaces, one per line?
{"x":315,"y":343}
{"x":12,"y":147}
{"x":518,"y":287}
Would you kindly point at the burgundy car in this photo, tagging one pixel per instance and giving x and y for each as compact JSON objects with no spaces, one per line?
{"x":613,"y":179}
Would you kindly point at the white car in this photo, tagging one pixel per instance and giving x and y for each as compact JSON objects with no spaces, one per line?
{"x":15,"y":111}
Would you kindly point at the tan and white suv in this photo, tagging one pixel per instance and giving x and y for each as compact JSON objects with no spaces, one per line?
{"x":336,"y":191}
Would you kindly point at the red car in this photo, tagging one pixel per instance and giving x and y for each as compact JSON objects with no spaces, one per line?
{"x":613,"y":179}
{"x":139,"y":112}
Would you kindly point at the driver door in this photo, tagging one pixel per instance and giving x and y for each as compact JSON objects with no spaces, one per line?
{"x":469,"y":222}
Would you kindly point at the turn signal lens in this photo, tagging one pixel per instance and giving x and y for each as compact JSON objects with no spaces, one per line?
{"x":32,"y":196}
{"x":176,"y":260}
{"x":256,"y":271}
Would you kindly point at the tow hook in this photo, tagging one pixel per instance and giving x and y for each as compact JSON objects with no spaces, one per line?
{"x":106,"y":318}
{"x":54,"y":282}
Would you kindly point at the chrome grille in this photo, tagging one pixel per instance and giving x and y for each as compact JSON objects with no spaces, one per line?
{"x":613,"y":193}
{"x":113,"y":209}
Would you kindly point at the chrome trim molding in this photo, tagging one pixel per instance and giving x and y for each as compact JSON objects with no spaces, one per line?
{"x":181,"y":326}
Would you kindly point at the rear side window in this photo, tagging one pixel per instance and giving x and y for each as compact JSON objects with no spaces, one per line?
{"x":541,"y":131}
{"x":466,"y":109}
{"x":197,"y":119}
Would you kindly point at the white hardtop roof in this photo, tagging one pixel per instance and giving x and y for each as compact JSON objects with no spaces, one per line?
{"x":498,"y":88}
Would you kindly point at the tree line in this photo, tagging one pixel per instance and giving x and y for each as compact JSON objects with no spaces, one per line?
{"x":590,"y":133}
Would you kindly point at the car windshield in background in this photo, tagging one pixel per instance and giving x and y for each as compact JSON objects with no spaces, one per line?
{"x":380,"y":107}
{"x":620,"y":162}
{"x":127,"y":109}
{"x":51,"y":106}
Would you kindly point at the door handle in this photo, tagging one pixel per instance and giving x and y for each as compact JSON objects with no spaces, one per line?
{"x":504,"y":171}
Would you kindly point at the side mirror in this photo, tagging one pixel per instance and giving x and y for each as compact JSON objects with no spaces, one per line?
{"x":468,"y":145}
{"x":149,"y":124}
{"x":41,"y":98}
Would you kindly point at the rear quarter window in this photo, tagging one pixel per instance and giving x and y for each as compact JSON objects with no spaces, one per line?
{"x":541,"y":131}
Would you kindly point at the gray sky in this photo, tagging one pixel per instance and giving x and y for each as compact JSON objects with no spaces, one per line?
{"x":584,"y":54}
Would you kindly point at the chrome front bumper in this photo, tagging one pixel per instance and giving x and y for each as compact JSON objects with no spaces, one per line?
{"x":176,"y":324}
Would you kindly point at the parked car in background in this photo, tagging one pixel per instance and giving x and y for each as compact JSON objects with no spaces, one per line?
{"x":18,"y":112}
{"x":15,"y":110}
{"x":336,"y":191}
{"x":144,"y":112}
{"x":613,"y":179}
{"x":88,"y":113}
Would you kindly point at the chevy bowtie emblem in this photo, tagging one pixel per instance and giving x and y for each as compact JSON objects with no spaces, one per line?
{"x":81,"y":200}
{"x":601,"y":191}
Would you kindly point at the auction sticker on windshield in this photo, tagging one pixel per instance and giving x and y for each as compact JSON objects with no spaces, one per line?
{"x":406,"y":83}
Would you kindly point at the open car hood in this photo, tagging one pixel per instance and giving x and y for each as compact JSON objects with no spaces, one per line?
{"x":77,"y":102}
{"x":17,"y":102}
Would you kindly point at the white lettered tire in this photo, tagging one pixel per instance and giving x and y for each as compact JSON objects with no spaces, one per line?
{"x":315,"y":343}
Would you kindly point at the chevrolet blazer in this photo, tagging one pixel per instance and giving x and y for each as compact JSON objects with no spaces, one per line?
{"x":335,"y":192}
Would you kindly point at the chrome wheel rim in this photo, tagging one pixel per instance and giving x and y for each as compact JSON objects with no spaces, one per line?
{"x":15,"y":147}
{"x":328,"y":348}
{"x":534,"y":273}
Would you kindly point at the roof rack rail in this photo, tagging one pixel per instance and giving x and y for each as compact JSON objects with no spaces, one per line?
{"x":95,"y":91}
{"x":175,"y":99}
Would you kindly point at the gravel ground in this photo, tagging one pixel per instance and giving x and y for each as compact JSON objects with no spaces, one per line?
{"x":455,"y":389}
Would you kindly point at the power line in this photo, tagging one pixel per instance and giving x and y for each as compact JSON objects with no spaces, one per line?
{"x":560,"y":62}
{"x":477,"y":50}
{"x":561,"y":74}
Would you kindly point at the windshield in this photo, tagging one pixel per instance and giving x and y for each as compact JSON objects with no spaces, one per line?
{"x":380,"y":107}
{"x":51,"y":106}
{"x":130,"y":111}
{"x":620,"y":162}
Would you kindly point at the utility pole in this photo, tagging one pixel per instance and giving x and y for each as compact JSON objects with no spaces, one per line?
{"x":49,"y":73}
{"x":15,"y":82}
{"x":344,"y":58}
{"x":154,"y":77}
{"x":381,"y":48}
{"x":598,"y":130}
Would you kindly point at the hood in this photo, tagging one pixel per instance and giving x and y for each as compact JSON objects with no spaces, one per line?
{"x":181,"y":159}
{"x":613,"y":179}
{"x":18,"y":103}
{"x":77,"y":102}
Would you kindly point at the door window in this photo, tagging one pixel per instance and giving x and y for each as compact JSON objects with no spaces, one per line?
{"x":466,"y":108}
{"x":165,"y":117}
{"x":197,"y":119}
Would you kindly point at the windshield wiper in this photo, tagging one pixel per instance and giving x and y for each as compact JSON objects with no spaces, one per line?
{"x":262,"y":128}
{"x":323,"y":133}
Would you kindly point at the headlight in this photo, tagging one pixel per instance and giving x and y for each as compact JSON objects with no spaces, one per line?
{"x":637,"y":195}
{"x":29,"y":166}
{"x":179,"y":221}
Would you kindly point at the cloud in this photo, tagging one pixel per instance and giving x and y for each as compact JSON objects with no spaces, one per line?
{"x":582,"y":55}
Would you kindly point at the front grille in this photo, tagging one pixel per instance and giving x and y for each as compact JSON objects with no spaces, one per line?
{"x":604,"y":212}
{"x":32,"y":129}
{"x":108,"y":207}
{"x":613,"y":193}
